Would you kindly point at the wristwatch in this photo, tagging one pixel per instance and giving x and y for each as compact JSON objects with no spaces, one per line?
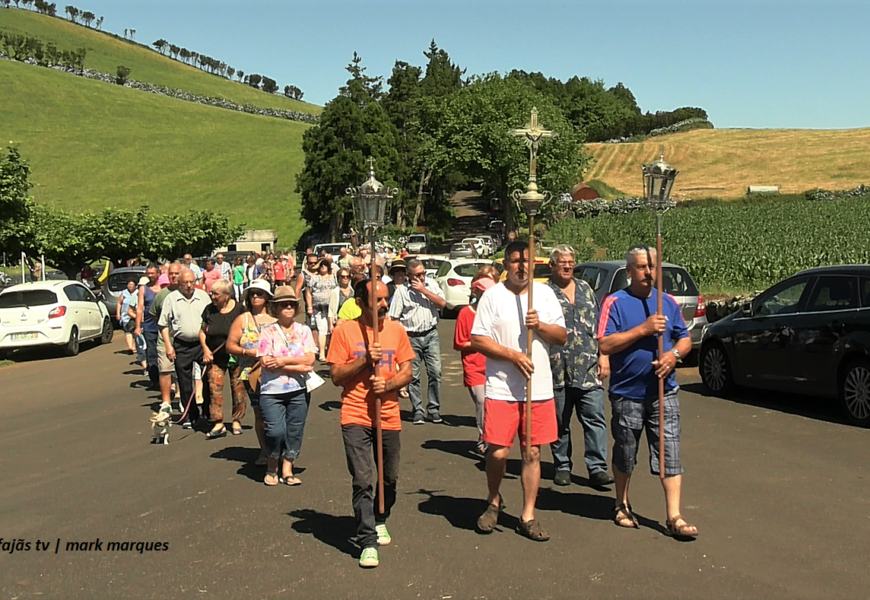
{"x":676,"y":354}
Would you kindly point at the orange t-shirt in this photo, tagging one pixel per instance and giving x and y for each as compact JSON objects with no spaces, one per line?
{"x":357,"y":400}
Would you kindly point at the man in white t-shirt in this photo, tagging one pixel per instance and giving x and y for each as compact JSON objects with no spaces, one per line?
{"x":500,"y":332}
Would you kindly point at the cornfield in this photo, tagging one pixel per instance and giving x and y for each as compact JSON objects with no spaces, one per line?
{"x":739,"y":247}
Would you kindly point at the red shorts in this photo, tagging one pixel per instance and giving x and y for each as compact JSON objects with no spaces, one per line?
{"x":504,"y":420}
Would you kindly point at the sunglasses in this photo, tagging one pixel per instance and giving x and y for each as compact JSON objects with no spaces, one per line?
{"x":258,"y":293}
{"x":283,"y":305}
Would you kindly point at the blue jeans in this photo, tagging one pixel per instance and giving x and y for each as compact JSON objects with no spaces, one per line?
{"x":426,"y":348}
{"x":589,"y":406}
{"x":284,"y":417}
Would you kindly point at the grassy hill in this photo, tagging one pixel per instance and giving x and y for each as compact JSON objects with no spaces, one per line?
{"x":106,"y":52}
{"x":724,"y":162}
{"x":93,"y":145}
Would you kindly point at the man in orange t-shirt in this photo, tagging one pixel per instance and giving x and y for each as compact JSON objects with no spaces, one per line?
{"x":352,"y":357}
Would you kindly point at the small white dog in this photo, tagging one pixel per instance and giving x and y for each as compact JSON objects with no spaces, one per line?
{"x":160,"y":424}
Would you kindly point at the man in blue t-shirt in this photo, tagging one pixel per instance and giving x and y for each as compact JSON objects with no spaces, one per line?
{"x":627,"y":331}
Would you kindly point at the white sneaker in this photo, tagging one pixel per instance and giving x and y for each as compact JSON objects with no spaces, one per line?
{"x":384,"y":538}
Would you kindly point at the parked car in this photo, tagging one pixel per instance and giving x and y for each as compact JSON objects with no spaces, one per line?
{"x":490,"y":240}
{"x":454,"y":278}
{"x":542,"y":269}
{"x":479,"y":245}
{"x":59,"y":313}
{"x":809,"y":334}
{"x":117,"y":283}
{"x":431,"y":262}
{"x":418,"y":243}
{"x":333,"y":249}
{"x":463,"y":250}
{"x":606,"y":277}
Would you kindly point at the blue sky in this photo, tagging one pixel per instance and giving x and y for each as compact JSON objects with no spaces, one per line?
{"x":763,"y":64}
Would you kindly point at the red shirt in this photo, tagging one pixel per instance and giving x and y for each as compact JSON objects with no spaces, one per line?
{"x":473,"y":363}
{"x":278,"y":270}
{"x":209,"y":277}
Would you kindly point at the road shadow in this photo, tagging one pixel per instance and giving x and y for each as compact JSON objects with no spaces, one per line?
{"x":247,"y":456}
{"x":459,"y":421}
{"x":468,"y":449}
{"x":330,"y":405}
{"x":331,"y":530}
{"x":812,"y":407}
{"x":461,"y":513}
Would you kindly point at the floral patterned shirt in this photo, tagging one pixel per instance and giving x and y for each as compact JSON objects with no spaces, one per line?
{"x":272,"y":343}
{"x":575,"y":364}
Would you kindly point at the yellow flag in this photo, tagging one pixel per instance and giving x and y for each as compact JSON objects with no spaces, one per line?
{"x":106,"y":272}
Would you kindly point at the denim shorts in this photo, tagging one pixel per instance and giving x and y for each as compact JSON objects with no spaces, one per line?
{"x":628,"y":420}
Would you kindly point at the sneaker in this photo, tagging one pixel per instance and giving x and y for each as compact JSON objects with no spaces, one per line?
{"x":437,"y":419}
{"x":187,"y":424}
{"x":419,"y":420}
{"x":369,"y":558}
{"x":562,"y":478}
{"x":384,"y":538}
{"x":600,"y":479}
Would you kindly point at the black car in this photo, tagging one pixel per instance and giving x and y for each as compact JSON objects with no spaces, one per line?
{"x":809,"y":334}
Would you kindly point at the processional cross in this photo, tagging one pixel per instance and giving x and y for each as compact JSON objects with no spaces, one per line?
{"x":533,"y":133}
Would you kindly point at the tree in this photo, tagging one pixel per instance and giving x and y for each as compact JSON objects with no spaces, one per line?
{"x":353,"y":127}
{"x":254,"y":80}
{"x":88,"y":18}
{"x":174,"y":50}
{"x":230,"y":72}
{"x":240,"y":74}
{"x":160,"y":45}
{"x":122,"y":74}
{"x":99,"y":22}
{"x":27,"y":3}
{"x":16,"y":206}
{"x":475,"y":134}
{"x":132,"y":34}
{"x":372,"y":85}
{"x":269,"y":85}
{"x":72,"y":12}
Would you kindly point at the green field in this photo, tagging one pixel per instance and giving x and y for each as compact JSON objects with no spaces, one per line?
{"x":93,"y":145}
{"x":106,"y":52}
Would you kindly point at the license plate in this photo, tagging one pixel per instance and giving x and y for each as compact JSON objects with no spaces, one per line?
{"x":25,"y":336}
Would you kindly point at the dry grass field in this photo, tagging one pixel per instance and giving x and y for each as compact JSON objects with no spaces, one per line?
{"x":723,"y":163}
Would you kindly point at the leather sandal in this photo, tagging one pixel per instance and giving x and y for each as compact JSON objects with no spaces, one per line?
{"x":216,"y":433}
{"x":532,"y":530}
{"x":684,"y":531}
{"x":622,"y":514}
{"x":489,"y":519}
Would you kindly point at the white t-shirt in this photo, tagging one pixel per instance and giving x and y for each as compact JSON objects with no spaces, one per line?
{"x":501,"y":316}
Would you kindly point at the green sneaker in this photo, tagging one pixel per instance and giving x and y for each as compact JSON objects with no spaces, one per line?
{"x":384,"y":538}
{"x":369,"y":558}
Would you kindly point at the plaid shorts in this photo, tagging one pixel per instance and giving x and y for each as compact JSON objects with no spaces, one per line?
{"x":628,"y":420}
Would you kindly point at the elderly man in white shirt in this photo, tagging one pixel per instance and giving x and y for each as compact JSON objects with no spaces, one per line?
{"x":415,"y":305}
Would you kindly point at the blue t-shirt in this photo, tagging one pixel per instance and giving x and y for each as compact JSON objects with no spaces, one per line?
{"x":148,"y":322}
{"x":631,"y":371}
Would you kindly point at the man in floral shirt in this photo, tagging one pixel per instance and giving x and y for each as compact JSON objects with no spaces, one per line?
{"x":577,"y":373}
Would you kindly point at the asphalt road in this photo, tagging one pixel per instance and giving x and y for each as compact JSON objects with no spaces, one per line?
{"x":777,"y":486}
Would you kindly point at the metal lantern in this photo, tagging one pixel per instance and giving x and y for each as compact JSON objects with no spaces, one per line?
{"x":658,"y":180}
{"x":372,"y":198}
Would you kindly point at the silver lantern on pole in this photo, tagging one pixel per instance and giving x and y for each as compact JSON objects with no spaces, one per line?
{"x":658,"y":181}
{"x":371,"y":200}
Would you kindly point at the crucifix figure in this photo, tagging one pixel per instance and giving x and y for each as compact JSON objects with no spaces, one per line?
{"x":371,"y":164}
{"x":533,"y":134}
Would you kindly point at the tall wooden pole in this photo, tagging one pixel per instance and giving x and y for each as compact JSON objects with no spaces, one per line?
{"x":531,"y":334}
{"x":379,"y":436}
{"x":661,"y":349}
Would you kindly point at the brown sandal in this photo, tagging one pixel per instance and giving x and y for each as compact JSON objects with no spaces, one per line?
{"x":627,"y":516}
{"x":532,"y":530}
{"x":681,"y":531}
{"x":489,"y":519}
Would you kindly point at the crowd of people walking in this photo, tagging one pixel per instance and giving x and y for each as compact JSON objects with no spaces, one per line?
{"x":242,"y":325}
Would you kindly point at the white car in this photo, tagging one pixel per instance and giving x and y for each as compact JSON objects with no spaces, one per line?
{"x":482,"y":249}
{"x":59,"y":313}
{"x":431,"y":262}
{"x":454,"y":279}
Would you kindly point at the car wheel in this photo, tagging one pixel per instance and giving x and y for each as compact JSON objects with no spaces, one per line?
{"x":72,"y":346}
{"x":108,"y":332}
{"x":715,"y":369}
{"x":855,"y":392}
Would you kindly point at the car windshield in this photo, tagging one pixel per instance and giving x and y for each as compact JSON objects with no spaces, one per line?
{"x":27,"y":298}
{"x":542,"y":270}
{"x":118,"y":281}
{"x":468,"y":269}
{"x":676,"y":282}
{"x":417,"y":239}
{"x":431,"y":264}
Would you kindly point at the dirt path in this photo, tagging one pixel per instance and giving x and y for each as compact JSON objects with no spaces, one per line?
{"x":471,"y":217}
